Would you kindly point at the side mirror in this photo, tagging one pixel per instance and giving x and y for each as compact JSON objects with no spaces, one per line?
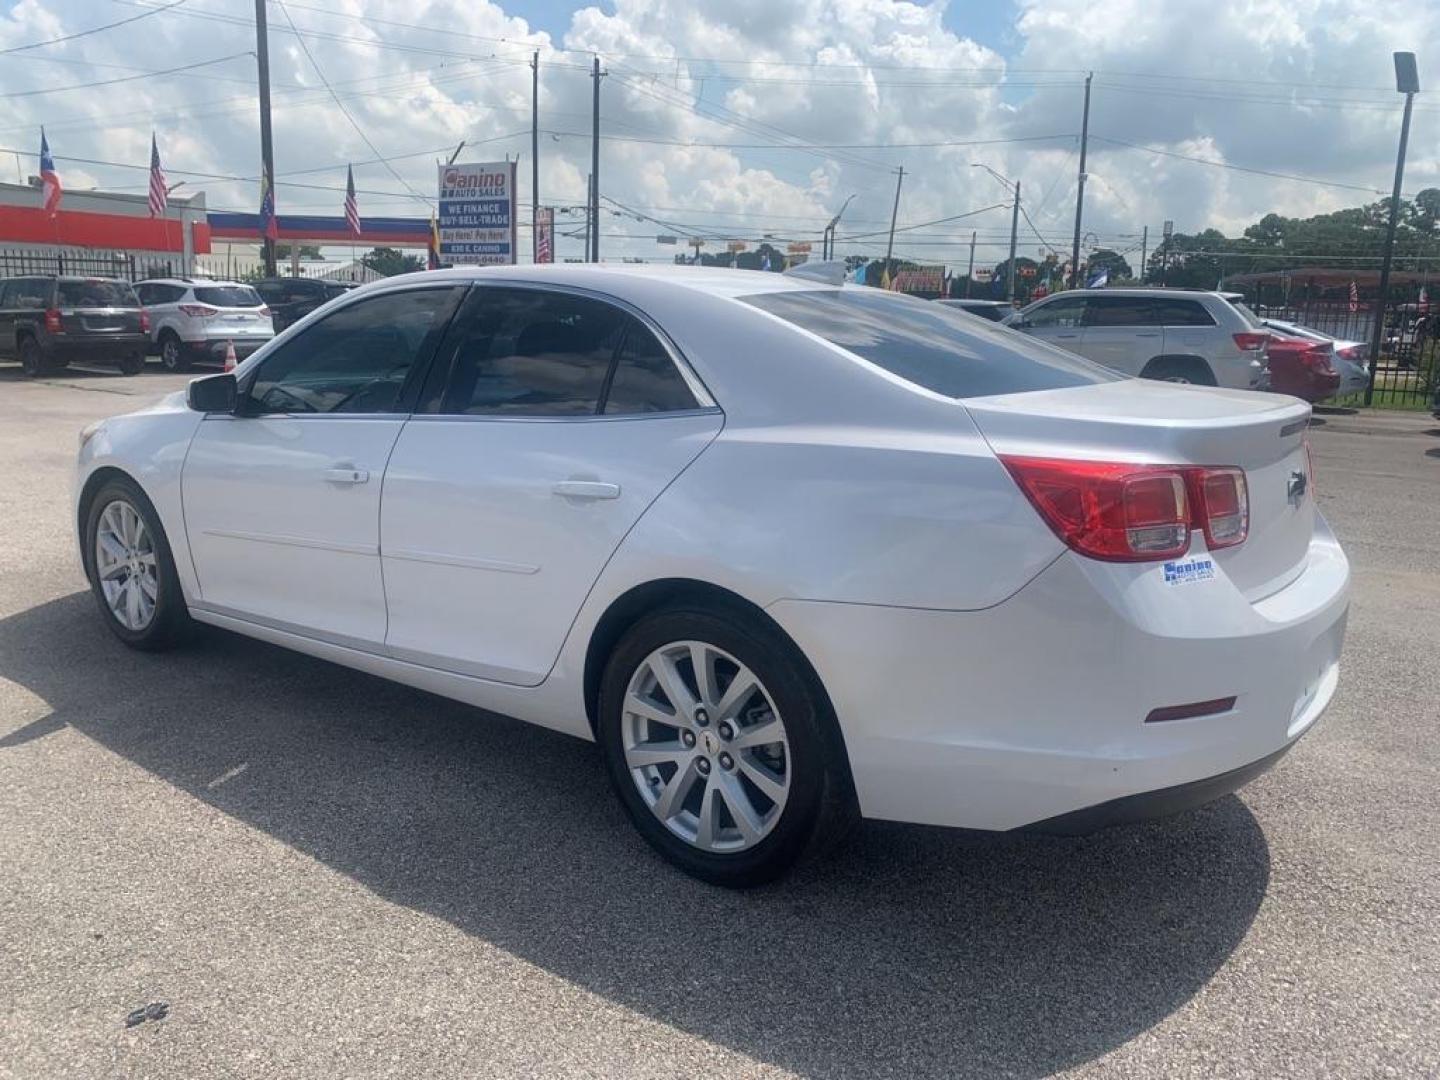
{"x":212,"y":394}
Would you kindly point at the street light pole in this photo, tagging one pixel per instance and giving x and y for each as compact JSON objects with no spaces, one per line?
{"x":1014,"y":233}
{"x":1407,"y":82}
{"x":827,"y":242}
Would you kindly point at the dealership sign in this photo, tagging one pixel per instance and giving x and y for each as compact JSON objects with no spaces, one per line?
{"x":477,"y":214}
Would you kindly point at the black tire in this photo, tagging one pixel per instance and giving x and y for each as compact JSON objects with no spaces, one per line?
{"x":173,"y":356}
{"x":32,"y":358}
{"x":819,"y":805}
{"x":132,"y":363}
{"x":171,"y":623}
{"x":1180,"y":369}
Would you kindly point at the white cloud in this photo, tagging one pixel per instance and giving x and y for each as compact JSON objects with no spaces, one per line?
{"x":820,"y":71}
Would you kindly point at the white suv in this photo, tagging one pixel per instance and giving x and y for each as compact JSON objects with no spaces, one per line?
{"x":1176,"y":335}
{"x":198,"y":320}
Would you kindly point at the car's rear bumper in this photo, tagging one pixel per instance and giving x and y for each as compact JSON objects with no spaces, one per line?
{"x":1037,"y":708}
{"x":214,"y":348}
{"x":97,"y":347}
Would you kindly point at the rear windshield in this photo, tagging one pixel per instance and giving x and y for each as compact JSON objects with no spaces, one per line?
{"x":228,"y":296}
{"x":931,"y":345}
{"x":96,"y":293}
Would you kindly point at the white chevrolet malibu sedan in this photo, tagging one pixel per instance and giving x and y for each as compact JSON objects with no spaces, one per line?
{"x":789,"y":551}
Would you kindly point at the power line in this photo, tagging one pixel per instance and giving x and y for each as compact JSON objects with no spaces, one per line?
{"x":1238,"y":168}
{"x":341,"y":106}
{"x":92,"y":30}
{"x":127,"y":78}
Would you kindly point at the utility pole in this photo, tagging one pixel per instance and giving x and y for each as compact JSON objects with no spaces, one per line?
{"x":1080,"y":187}
{"x":267,"y":151}
{"x":894,"y":213}
{"x":595,"y":166}
{"x":970,"y":274}
{"x":535,"y":156}
{"x":1014,"y":235}
{"x":589,"y":206}
{"x":1165,"y":253}
{"x":1407,"y":82}
{"x":1144,"y":248}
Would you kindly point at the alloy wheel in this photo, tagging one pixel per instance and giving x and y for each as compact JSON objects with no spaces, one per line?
{"x":706,"y":746}
{"x":125,"y":565}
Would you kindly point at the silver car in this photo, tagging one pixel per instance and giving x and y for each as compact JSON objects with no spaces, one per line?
{"x":1175,"y":335}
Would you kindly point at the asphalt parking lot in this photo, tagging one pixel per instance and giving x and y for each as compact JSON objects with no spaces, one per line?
{"x":321,"y":874}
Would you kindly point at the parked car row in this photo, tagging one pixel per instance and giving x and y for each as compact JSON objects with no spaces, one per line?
{"x":1187,"y":336}
{"x":49,"y":320}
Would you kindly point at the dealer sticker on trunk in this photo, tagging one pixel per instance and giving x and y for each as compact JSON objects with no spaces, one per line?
{"x":1184,"y":571}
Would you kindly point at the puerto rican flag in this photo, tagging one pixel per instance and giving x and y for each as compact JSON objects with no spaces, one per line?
{"x":49,"y":179}
{"x":352,"y":208}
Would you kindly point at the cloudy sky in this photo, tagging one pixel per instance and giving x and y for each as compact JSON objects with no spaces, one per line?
{"x":747,"y":118}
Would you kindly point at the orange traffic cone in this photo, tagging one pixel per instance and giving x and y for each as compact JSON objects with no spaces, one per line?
{"x":230,"y":360}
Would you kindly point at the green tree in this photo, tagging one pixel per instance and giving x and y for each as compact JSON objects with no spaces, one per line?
{"x":387,"y":262}
{"x":1113,"y":261}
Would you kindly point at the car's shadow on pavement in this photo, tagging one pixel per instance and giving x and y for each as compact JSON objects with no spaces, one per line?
{"x":1030,"y":954}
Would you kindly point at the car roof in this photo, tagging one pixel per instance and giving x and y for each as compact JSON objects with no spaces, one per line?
{"x":608,"y":277}
{"x":1137,"y":291}
{"x":203,"y":283}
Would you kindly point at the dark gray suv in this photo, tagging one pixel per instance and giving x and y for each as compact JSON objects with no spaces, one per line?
{"x":48,"y":320}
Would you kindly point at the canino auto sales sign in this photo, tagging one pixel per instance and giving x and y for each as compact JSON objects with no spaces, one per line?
{"x":477,"y":214}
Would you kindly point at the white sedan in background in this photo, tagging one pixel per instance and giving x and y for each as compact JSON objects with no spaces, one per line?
{"x":789,"y":551}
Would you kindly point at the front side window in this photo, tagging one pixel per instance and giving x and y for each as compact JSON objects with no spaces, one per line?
{"x":355,"y":360}
{"x":927,"y":344}
{"x":1119,"y":311}
{"x":96,"y":292}
{"x":533,"y":352}
{"x":1068,"y":311}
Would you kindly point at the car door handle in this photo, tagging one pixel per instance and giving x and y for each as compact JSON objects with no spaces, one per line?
{"x":1147,"y":335}
{"x":586,"y":489}
{"x":1065,"y":336}
{"x":347,"y":474}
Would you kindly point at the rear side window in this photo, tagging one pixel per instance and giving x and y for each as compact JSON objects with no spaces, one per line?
{"x":97,"y":292}
{"x":228,"y":295}
{"x":646,"y":379}
{"x":28,"y":293}
{"x":944,"y":351}
{"x":532,"y":352}
{"x":1119,"y":311}
{"x":1172,"y":311}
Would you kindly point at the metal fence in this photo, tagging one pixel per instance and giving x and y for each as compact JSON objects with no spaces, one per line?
{"x":1408,"y":372}
{"x":87,"y":262}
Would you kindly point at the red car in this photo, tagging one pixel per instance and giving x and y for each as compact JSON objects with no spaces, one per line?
{"x":1301,"y":368}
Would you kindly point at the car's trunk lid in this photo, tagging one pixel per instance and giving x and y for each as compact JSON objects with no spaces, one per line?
{"x":1153,"y":423}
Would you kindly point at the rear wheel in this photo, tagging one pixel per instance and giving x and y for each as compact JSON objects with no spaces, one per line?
{"x":172,"y":352}
{"x":132,"y":573}
{"x":714,"y":739}
{"x":1179,"y":369}
{"x":32,"y":357}
{"x":132,"y":363}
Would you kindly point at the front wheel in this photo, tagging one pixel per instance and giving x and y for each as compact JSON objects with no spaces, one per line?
{"x":132,"y":573}
{"x":716,"y":743}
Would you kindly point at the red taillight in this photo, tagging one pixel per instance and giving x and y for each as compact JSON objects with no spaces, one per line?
{"x":1134,"y":513}
{"x":1251,"y":342}
{"x":144,"y":321}
{"x":52,"y":322}
{"x":1317,"y":359}
{"x":1222,"y":506}
{"x":199,"y":311}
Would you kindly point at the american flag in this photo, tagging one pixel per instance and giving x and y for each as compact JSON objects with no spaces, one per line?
{"x":158,"y":196}
{"x":49,"y":179}
{"x":352,"y":208}
{"x":1354,"y":297}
